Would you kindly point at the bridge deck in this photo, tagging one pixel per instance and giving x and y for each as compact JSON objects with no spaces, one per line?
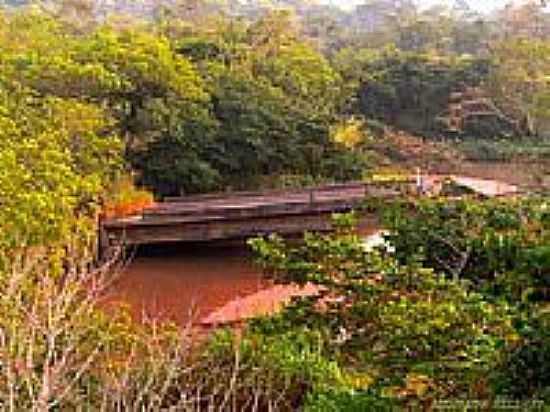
{"x":248,"y":205}
{"x":244,"y":214}
{"x":236,"y":215}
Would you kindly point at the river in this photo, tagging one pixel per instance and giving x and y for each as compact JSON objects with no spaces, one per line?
{"x":186,"y":282}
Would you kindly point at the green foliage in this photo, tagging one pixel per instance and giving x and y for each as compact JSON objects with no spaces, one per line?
{"x":519,"y":81}
{"x":524,"y":372}
{"x":54,"y":166}
{"x":349,"y":401}
{"x":266,"y":135}
{"x":59,"y":154}
{"x":499,"y":245}
{"x":406,"y":90}
{"x":388,"y":321}
{"x":273,"y":106}
{"x":177,"y":162}
{"x":459,"y":310}
{"x":195,"y":113}
{"x":304,"y":75}
{"x":271,"y":371}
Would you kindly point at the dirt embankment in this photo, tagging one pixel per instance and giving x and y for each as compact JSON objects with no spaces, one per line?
{"x":529,"y":175}
{"x":402,"y":151}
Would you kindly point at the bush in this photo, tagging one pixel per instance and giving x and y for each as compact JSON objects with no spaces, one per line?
{"x":349,"y":401}
{"x":266,"y":372}
{"x":499,"y":245}
{"x":125,"y":199}
{"x":61,"y":351}
{"x":525,"y":370}
{"x":393,"y":323}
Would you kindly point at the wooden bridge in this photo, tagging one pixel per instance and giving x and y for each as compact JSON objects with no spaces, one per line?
{"x":236,"y":215}
{"x":244,"y":214}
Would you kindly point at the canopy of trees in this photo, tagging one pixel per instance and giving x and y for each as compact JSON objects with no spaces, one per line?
{"x":254,"y":106}
{"x":187,"y":96}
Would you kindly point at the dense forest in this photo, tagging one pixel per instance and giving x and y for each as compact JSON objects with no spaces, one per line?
{"x":107,"y":106}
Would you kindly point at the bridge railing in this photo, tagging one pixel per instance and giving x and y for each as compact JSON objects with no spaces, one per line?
{"x":245,"y":194}
{"x":239,"y":205}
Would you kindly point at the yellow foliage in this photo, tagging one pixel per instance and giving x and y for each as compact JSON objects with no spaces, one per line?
{"x":351,"y":133}
{"x":359,"y":381}
{"x":79,"y":118}
{"x":415,"y":386}
{"x":125,"y":199}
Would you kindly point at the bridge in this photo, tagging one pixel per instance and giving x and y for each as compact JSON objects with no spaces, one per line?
{"x":244,"y":214}
{"x":236,"y":215}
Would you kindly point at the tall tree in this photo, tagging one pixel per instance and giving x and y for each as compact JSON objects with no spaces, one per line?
{"x":520,"y":81}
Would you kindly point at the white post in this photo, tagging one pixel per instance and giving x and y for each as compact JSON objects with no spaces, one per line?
{"x":419,"y":181}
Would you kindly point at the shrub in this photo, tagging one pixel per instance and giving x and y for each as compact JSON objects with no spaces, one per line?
{"x":525,"y":370}
{"x":349,"y":401}
{"x":389,"y":321}
{"x":499,"y":245}
{"x":125,"y":199}
{"x":61,"y":350}
{"x":266,"y":371}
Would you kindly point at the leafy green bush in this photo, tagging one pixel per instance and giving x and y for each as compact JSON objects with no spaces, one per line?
{"x":349,"y":401}
{"x":266,"y":370}
{"x":499,"y":245}
{"x":393,"y":323}
{"x":404,"y":89}
{"x":525,"y":370}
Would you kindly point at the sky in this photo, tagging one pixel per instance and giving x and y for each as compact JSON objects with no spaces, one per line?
{"x":480,"y":5}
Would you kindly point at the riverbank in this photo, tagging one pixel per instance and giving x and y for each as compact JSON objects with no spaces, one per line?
{"x":532,"y":175}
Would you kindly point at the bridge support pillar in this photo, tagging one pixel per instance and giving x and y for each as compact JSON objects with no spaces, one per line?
{"x":103,"y":244}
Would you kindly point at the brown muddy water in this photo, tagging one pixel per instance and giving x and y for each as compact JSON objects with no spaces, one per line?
{"x":186,"y":282}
